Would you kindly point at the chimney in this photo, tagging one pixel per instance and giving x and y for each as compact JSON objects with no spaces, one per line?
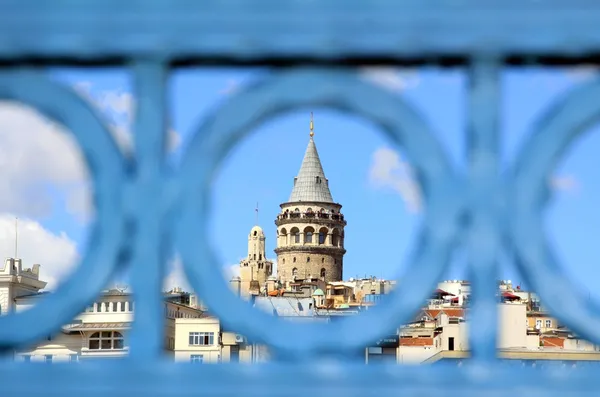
{"x":18,"y":266}
{"x":8,"y":266}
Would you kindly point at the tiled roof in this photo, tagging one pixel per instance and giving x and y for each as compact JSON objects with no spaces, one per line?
{"x":311,"y":184}
{"x":450,"y":312}
{"x":97,"y":326}
{"x":553,"y":342}
{"x":416,"y":341}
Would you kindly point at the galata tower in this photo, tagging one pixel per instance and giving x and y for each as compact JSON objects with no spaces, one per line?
{"x":310,"y":227}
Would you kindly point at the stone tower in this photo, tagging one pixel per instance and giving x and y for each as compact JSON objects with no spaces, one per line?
{"x":310,"y":227}
{"x":255,"y":268}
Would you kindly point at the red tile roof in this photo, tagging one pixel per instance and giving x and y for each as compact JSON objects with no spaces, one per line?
{"x":450,"y":312}
{"x":549,"y":341}
{"x":416,"y":341}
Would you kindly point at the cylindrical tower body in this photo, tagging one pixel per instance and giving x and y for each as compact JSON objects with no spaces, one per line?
{"x":310,"y":241}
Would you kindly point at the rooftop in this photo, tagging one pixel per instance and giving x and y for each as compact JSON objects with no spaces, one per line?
{"x":311,"y":183}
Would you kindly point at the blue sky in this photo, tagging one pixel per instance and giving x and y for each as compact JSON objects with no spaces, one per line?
{"x":378,"y":201}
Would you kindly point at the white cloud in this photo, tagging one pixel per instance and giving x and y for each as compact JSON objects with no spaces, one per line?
{"x":389,"y":171}
{"x":176,"y":275}
{"x":391,"y":78}
{"x":564,"y":183}
{"x":55,"y":252}
{"x":231,"y":271}
{"x":35,"y":155}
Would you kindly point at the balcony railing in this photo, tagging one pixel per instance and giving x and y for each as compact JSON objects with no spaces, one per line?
{"x":310,"y":215}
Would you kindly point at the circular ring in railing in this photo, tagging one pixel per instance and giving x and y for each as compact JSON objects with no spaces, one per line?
{"x":339,"y":90}
{"x":552,"y":136}
{"x":107,"y":170}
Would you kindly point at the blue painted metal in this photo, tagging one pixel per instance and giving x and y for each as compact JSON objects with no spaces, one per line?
{"x":143,"y":204}
{"x":331,"y":30}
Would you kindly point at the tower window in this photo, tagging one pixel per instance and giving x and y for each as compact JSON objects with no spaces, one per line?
{"x":294,"y":260}
{"x":254,"y":256}
{"x":294,"y":272}
{"x":255,"y":233}
{"x":318,"y":179}
{"x":283,"y":261}
{"x":260,"y":257}
{"x":308,"y":259}
{"x":323,"y":272}
{"x":322,"y":260}
{"x":295,"y":235}
{"x":308,"y":235}
{"x":322,"y":236}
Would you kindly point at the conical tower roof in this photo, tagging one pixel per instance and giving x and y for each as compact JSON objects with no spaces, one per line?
{"x":311,"y":183}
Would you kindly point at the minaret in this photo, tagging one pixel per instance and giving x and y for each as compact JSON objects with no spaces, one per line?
{"x":255,"y":268}
{"x":310,"y":227}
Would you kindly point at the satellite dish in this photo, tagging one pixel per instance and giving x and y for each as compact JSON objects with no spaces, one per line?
{"x":121,"y":288}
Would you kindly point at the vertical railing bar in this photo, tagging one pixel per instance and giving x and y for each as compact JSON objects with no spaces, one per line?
{"x":483,"y":243}
{"x":145,"y":201}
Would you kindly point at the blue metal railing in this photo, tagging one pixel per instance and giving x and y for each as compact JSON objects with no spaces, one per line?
{"x":142,"y":203}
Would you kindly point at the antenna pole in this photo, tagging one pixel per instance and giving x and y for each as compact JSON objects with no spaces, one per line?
{"x":16,"y":237}
{"x":256,"y":209}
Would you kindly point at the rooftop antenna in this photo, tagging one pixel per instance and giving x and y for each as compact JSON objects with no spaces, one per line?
{"x":16,"y":237}
{"x":312,"y":132}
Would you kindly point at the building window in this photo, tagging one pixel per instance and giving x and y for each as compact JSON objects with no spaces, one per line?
{"x":283,"y":261}
{"x":295,"y":235}
{"x":202,"y":338}
{"x":308,"y":237}
{"x":197,"y":358}
{"x":308,"y":259}
{"x":548,"y":323}
{"x":294,"y":272}
{"x":322,"y":237}
{"x":106,"y":340}
{"x":323,"y":272}
{"x":538,"y":324}
{"x":234,"y":355}
{"x":48,"y":358}
{"x":294,"y":259}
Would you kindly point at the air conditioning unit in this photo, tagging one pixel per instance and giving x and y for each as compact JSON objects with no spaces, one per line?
{"x":239,"y":338}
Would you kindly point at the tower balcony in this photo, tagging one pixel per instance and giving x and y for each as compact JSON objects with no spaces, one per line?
{"x":309,"y":217}
{"x":311,"y":249}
